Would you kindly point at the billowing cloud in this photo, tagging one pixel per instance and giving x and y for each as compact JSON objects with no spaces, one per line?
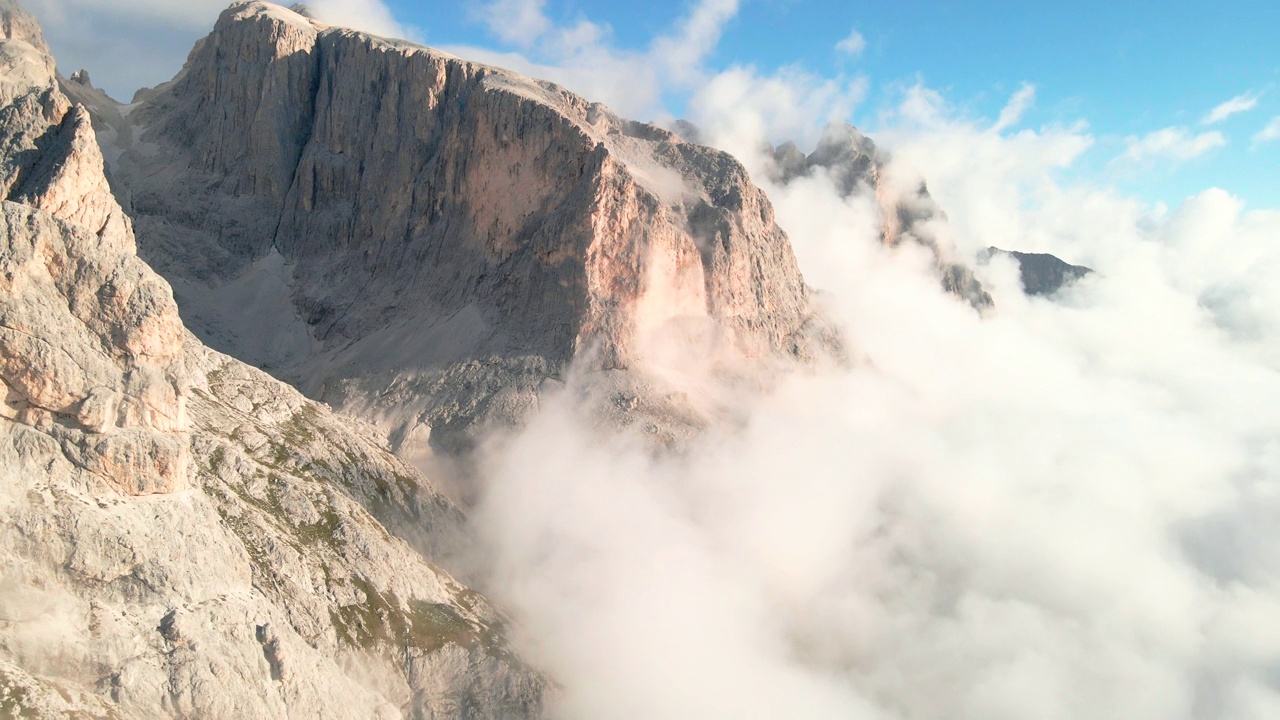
{"x":740,"y":107}
{"x":1064,"y":509}
{"x":1234,"y":106}
{"x":1270,"y":133}
{"x":519,"y":22}
{"x":1176,"y":144}
{"x":852,"y":45}
{"x":372,"y":16}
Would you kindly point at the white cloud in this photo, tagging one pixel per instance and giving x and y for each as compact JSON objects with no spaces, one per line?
{"x":1177,"y":144}
{"x":739,"y":108}
{"x":1066,"y":509}
{"x":1234,"y":106}
{"x":372,"y":16}
{"x":520,"y":22}
{"x":682,"y":54}
{"x":852,"y":45}
{"x":1014,"y":109}
{"x":1270,"y":133}
{"x":980,"y":172}
{"x":1029,"y":515}
{"x":581,"y":57}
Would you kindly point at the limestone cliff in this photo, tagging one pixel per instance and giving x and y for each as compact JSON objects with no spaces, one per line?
{"x":180,"y":534}
{"x":426,"y":241}
{"x":91,"y":344}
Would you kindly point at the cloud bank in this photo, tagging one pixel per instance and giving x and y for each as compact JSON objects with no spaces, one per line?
{"x":1065,"y":509}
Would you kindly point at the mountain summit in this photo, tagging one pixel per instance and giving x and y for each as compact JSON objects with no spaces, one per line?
{"x":427,"y":241}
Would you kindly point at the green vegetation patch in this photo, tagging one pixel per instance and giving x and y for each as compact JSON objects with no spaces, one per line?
{"x":383,"y":622}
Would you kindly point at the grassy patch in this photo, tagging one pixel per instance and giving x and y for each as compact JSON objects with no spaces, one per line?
{"x":382,"y":621}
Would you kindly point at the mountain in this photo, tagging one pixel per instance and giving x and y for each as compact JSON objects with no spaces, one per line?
{"x":853,"y":162}
{"x":429,"y":243}
{"x":180,"y":534}
{"x":1041,"y":274}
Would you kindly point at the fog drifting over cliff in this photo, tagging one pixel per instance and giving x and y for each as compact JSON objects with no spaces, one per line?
{"x":1067,"y":508}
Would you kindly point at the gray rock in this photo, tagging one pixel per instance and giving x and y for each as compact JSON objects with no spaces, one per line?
{"x":1041,"y":273}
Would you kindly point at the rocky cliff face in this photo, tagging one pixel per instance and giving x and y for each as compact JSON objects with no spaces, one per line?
{"x":91,"y":344}
{"x":426,"y":241}
{"x":181,"y":535}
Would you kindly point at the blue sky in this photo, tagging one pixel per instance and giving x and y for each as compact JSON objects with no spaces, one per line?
{"x":1128,"y":69}
{"x":1142,"y":76}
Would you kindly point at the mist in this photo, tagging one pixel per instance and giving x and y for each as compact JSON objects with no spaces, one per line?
{"x":1065,"y":507}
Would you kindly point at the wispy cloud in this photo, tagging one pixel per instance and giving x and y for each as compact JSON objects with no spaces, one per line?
{"x":1270,"y":133}
{"x":581,"y":55}
{"x":1236,"y":105}
{"x":1176,"y":144}
{"x":1014,"y":109}
{"x":852,"y":45}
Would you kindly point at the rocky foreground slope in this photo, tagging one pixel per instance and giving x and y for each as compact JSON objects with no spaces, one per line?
{"x":180,"y":534}
{"x":427,"y":242}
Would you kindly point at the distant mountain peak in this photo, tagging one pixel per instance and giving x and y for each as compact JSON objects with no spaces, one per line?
{"x":1041,"y":273}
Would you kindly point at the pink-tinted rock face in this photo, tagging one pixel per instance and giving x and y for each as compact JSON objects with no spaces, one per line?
{"x":435,"y":215}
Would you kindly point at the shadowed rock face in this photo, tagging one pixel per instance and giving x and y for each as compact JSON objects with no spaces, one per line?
{"x":280,"y":564}
{"x":1042,"y":274}
{"x":444,"y":235}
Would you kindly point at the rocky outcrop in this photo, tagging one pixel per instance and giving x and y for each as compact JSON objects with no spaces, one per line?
{"x":267,"y":590}
{"x":448,"y":236}
{"x":91,"y":344}
{"x":182,"y":535}
{"x":854,"y":163}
